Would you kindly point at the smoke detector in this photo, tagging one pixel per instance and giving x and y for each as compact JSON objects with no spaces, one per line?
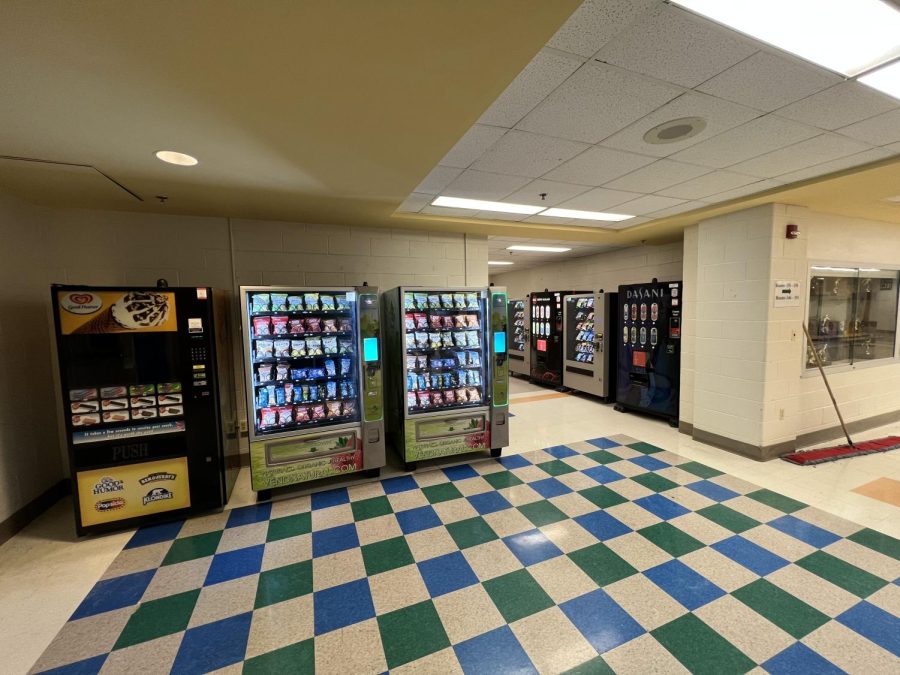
{"x":675,"y":130}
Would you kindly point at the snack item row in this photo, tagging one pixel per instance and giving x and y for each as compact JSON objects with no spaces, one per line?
{"x":271,"y":417}
{"x":272,"y":372}
{"x":423,"y":321}
{"x":429,"y":380}
{"x":297,"y":302}
{"x":443,"y":339}
{"x":289,"y":392}
{"x":460,"y":359}
{"x":420,"y":400}
{"x":441,"y":301}
{"x":264,"y":326}
{"x":123,"y":391}
{"x":301,"y":347}
{"x":125,"y":415}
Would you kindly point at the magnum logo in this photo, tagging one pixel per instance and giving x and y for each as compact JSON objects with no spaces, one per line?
{"x":154,"y":477}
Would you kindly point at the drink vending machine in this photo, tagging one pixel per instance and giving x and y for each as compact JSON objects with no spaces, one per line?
{"x":519,"y":354}
{"x":546,"y":336}
{"x":589,"y":343}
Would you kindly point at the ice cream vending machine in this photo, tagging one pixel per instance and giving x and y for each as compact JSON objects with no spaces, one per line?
{"x":148,"y":402}
{"x":649,"y":349}
{"x":519,"y":354}
{"x":447,"y":371}
{"x":546,"y":346}
{"x":312,"y":358}
{"x":589,"y":347}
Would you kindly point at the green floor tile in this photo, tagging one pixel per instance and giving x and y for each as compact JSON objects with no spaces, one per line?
{"x":298,"y":658}
{"x":787,"y":612}
{"x":284,"y":583}
{"x":601,"y":564}
{"x":542,"y":513}
{"x":410,"y":633}
{"x":602,"y":496}
{"x":596,"y":666}
{"x":777,"y":501}
{"x":370,"y":508}
{"x":700,"y":470}
{"x":670,"y":539}
{"x":386,"y":555}
{"x":442,"y":492}
{"x":289,"y":526}
{"x":728,"y":518}
{"x":471,"y":532}
{"x":556,"y":467}
{"x":849,"y":577}
{"x":502,"y":479}
{"x":517,"y":595}
{"x":877,"y":541}
{"x":157,"y":618}
{"x":652,"y":481}
{"x":603,"y":456}
{"x":191,"y":548}
{"x":646,"y":448}
{"x":701,"y":649}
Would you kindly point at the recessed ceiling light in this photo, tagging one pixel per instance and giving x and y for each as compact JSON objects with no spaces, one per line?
{"x":481,"y":205}
{"x":896,"y":199}
{"x":538,"y":249}
{"x":586,"y":215}
{"x":886,"y":79}
{"x":674,"y":131}
{"x":500,"y":262}
{"x":179,"y":158}
{"x":846,"y":36}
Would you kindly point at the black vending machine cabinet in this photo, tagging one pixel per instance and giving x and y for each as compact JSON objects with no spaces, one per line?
{"x":149,"y":437}
{"x":547,"y":336}
{"x":649,"y":360}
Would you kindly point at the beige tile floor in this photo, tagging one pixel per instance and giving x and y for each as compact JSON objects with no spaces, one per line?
{"x":45,"y":572}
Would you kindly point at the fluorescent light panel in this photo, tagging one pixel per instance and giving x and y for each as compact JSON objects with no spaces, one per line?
{"x":586,"y":215}
{"x":538,"y":249}
{"x":886,"y":79}
{"x":846,"y":36}
{"x":499,"y":262}
{"x":480,"y":205}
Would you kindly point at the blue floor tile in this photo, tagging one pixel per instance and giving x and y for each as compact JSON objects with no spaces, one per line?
{"x":154,"y":534}
{"x":752,"y":556}
{"x":684,"y":584}
{"x":90,"y":666}
{"x":514,"y":462}
{"x":234,"y":564}
{"x":114,"y":593}
{"x":661,"y":507}
{"x":603,"y":443}
{"x":342,"y":605}
{"x":531,"y":547}
{"x":649,"y":463}
{"x":247,"y":515}
{"x":602,"y":525}
{"x":600,"y":619}
{"x":460,"y":472}
{"x":712,"y":491}
{"x":549,"y":487}
{"x":560,"y":451}
{"x":489,"y":502}
{"x":874,"y":624}
{"x":447,"y":573}
{"x":495,"y":652}
{"x":335,"y":497}
{"x":213,"y":645}
{"x":418,"y":519}
{"x":603,"y":474}
{"x":806,"y":532}
{"x":334,"y":539}
{"x":399,"y":484}
{"x":798,"y":659}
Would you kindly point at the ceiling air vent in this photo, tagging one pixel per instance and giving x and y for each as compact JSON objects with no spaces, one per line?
{"x":674,"y":131}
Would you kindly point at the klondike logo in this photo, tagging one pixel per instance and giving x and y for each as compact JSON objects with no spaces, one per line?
{"x":157,"y":495}
{"x":159,"y":475}
{"x":113,"y":504}
{"x":108,"y":484}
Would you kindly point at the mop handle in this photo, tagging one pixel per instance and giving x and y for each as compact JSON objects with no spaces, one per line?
{"x":827,"y":386}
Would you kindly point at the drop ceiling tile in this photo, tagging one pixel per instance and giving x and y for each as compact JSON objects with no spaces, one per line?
{"x":768,"y":81}
{"x":446,"y":211}
{"x":882,"y":129}
{"x":743,"y":191}
{"x":473,"y":184}
{"x":710,"y":184}
{"x":596,"y":166}
{"x":415,"y":202}
{"x":521,"y":153}
{"x":625,"y":224}
{"x":556,"y":193}
{"x":548,"y":220}
{"x":647,"y":204}
{"x":719,"y":115}
{"x":595,"y":22}
{"x":678,"y":208}
{"x":749,"y":140}
{"x":858,"y":159}
{"x":439,"y":178}
{"x":497,"y":215}
{"x":801,"y":155}
{"x":599,"y":199}
{"x":657,"y":176}
{"x":893,"y":147}
{"x":838,"y":106}
{"x":597,"y":101}
{"x":472,"y":145}
{"x":543,"y":74}
{"x":670,"y":44}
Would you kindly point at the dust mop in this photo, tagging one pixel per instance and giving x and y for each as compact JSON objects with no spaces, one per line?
{"x":851,"y":449}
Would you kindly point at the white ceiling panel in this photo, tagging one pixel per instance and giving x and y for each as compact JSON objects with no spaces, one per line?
{"x":556,"y":193}
{"x":525,"y":154}
{"x":672,"y":45}
{"x":482,"y":185}
{"x":625,"y":224}
{"x":768,"y":81}
{"x":801,"y":155}
{"x":838,"y":106}
{"x":543,"y":74}
{"x":439,"y":178}
{"x":597,"y":166}
{"x":657,"y":176}
{"x":710,"y":184}
{"x":882,"y":129}
{"x":756,"y":137}
{"x":472,"y":145}
{"x":597,"y":101}
{"x":497,"y":215}
{"x":548,"y":220}
{"x":599,"y":199}
{"x":415,"y":202}
{"x":596,"y":21}
{"x":750,"y":189}
{"x":872,"y":155}
{"x":647,"y":204}
{"x":678,"y":208}
{"x":446,"y":211}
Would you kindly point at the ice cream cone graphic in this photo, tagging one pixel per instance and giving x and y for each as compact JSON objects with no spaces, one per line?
{"x":133,"y":311}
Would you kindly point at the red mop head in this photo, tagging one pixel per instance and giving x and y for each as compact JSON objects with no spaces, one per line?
{"x":810,"y":457}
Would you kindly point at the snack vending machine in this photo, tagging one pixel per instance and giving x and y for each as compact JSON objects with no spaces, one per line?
{"x":519,"y":354}
{"x":546,"y":336}
{"x":448,"y":371}
{"x":649,"y":359}
{"x":149,"y":403}
{"x":589,"y":322}
{"x":314,"y":389}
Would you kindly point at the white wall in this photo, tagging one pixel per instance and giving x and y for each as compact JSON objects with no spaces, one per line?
{"x":688,"y":324}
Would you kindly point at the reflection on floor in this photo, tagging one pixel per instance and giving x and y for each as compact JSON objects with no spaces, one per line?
{"x":605,"y":555}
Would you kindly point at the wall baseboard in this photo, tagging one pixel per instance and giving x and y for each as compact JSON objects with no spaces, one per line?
{"x":685,"y":427}
{"x":761,"y":453}
{"x":28,"y":513}
{"x":836,"y":433}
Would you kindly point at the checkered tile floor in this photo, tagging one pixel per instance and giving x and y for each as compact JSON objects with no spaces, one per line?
{"x":609,"y":555}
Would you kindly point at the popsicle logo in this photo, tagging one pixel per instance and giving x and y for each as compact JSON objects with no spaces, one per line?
{"x":80,"y":303}
{"x":113,"y":504}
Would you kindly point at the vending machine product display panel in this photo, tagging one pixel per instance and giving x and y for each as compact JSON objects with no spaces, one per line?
{"x":546,"y":364}
{"x":519,"y":352}
{"x":589,"y":350}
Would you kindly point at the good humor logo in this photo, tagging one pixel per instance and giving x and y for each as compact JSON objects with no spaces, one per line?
{"x":107,"y":484}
